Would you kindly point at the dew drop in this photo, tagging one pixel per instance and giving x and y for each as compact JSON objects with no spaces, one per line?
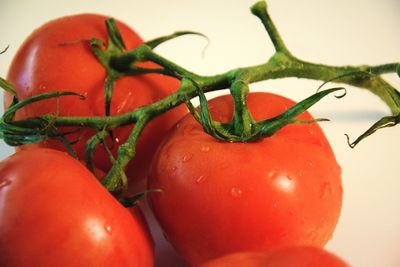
{"x":173,"y":168}
{"x":310,"y":163}
{"x":186,"y":158}
{"x":205,"y":148}
{"x":326,"y":189}
{"x":200,"y":179}
{"x":236,"y":192}
{"x":4,"y":183}
{"x":272,"y":174}
{"x":116,"y":140}
{"x":108,"y":228}
{"x":178,"y":125}
{"x":275,"y":205}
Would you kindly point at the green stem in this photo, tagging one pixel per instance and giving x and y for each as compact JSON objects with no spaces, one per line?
{"x":126,"y":151}
{"x":260,"y":10}
{"x":119,"y":62}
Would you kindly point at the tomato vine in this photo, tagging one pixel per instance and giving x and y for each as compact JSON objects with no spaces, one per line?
{"x":119,"y":63}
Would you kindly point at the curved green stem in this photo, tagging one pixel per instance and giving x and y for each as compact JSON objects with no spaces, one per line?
{"x":112,"y":181}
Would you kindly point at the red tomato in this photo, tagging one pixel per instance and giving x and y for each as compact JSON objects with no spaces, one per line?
{"x":220,"y":197}
{"x":53,"y":212}
{"x":57,"y":57}
{"x":287,"y":257}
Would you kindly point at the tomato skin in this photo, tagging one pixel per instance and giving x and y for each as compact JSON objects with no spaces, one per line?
{"x":303,"y":256}
{"x":248,"y":259}
{"x":57,"y":57}
{"x":219,"y":198}
{"x":53,"y":212}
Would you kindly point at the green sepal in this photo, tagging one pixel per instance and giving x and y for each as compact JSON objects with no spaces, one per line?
{"x":104,"y":52}
{"x":388,"y":121}
{"x":9,"y":113}
{"x":31,"y":130}
{"x":114,"y":34}
{"x":68,"y":146}
{"x":4,"y":50}
{"x":134,"y":200}
{"x":398,"y":70}
{"x":91,"y":145}
{"x":8,"y":87}
{"x":270,"y":126}
{"x":216,"y":129}
{"x":157,"y":41}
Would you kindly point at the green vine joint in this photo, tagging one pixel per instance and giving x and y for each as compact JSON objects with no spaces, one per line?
{"x":118,"y":63}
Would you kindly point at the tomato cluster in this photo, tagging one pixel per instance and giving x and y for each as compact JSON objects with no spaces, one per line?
{"x":219,"y":202}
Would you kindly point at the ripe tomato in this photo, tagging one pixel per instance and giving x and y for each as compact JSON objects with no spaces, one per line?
{"x":57,"y":57}
{"x":288,"y":257}
{"x":53,"y":212}
{"x":220,"y":197}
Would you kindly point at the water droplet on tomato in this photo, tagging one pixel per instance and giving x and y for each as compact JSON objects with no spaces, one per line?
{"x":174,"y":168}
{"x":236,"y":192}
{"x":4,"y":183}
{"x":178,"y":125}
{"x":272,"y":174}
{"x":186,"y":158}
{"x":116,"y":140}
{"x":326,"y":189}
{"x":205,"y":148}
{"x":275,"y":205}
{"x":108,"y":228}
{"x":200,"y":179}
{"x":310,"y":163}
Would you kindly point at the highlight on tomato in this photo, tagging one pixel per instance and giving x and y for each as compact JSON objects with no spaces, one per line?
{"x":54,"y":212}
{"x":57,"y":57}
{"x":220,"y":197}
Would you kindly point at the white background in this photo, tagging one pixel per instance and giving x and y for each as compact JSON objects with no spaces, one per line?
{"x":333,"y":32}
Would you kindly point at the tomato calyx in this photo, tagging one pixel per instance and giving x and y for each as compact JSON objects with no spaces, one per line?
{"x":242,"y":127}
{"x":104,"y":52}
